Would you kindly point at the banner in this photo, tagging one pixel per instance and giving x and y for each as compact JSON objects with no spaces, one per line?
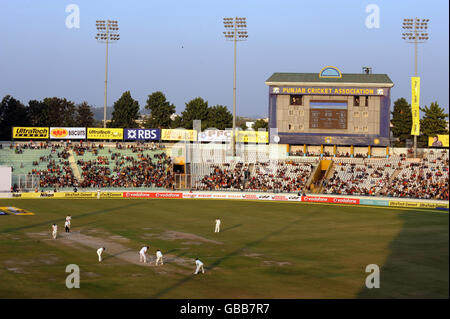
{"x":141,"y":134}
{"x":30,"y":132}
{"x":335,"y":200}
{"x":76,"y":195}
{"x":415,"y":109}
{"x":252,"y":137}
{"x":393,"y":203}
{"x":60,"y":133}
{"x":438,"y":141}
{"x":151,"y":195}
{"x":215,"y":136}
{"x":178,"y":135}
{"x":104,"y":133}
{"x":330,"y":90}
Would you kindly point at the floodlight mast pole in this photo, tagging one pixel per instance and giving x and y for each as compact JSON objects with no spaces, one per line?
{"x":106,"y":76}
{"x":107,"y":32}
{"x":417,"y":32}
{"x":238,"y":33}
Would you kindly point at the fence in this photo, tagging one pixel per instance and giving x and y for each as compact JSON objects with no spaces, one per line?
{"x":25,"y":182}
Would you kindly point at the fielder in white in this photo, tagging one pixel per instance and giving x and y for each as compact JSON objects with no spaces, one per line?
{"x":68,"y":219}
{"x":98,"y":194}
{"x":99,"y":253}
{"x":143,"y":254}
{"x":217,"y":226}
{"x":199,"y":266}
{"x":54,"y":230}
{"x":159,"y":257}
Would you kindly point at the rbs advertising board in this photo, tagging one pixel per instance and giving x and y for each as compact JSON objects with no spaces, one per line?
{"x":142,"y":134}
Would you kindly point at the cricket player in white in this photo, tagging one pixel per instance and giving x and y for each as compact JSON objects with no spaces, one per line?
{"x":99,"y":253}
{"x":142,"y":254}
{"x":68,"y":219}
{"x":199,"y":266}
{"x":159,"y":257}
{"x":54,"y":230}
{"x":217,"y":226}
{"x":98,"y":194}
{"x":67,"y":226}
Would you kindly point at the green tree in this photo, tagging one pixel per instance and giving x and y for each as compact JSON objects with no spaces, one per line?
{"x":37,"y":113}
{"x":126,"y":112}
{"x":196,"y":109}
{"x":85,"y":116}
{"x":401,"y":121}
{"x":160,"y":111}
{"x":59,"y":112}
{"x":219,"y":117}
{"x":177,"y":122}
{"x":432,"y":123}
{"x":12,"y":113}
{"x":240,"y":122}
{"x":260,"y":124}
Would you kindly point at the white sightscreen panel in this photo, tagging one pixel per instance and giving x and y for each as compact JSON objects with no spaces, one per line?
{"x":5,"y":178}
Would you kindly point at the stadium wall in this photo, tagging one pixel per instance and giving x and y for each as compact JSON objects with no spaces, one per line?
{"x":326,"y":199}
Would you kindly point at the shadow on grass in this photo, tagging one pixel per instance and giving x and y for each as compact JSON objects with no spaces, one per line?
{"x":418,"y":263}
{"x":220,"y":260}
{"x":231,"y":227}
{"x":118,"y":254}
{"x":50,"y":222}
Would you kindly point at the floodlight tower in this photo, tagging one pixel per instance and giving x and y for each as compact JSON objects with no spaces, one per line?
{"x":107,"y":32}
{"x":235,"y":30}
{"x":415,"y":31}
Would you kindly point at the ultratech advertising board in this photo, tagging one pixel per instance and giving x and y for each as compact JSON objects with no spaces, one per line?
{"x":76,"y":195}
{"x":178,"y":135}
{"x":104,"y":133}
{"x":394,"y":203}
{"x":60,"y":133}
{"x":30,"y":132}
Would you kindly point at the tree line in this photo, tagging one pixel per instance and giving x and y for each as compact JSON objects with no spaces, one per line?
{"x":432,"y":123}
{"x":60,"y":112}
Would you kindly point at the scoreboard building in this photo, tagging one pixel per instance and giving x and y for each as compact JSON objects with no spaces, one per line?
{"x":330,"y":108}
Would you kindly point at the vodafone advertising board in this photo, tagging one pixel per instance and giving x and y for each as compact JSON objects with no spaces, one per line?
{"x":335,"y":200}
{"x":151,"y":195}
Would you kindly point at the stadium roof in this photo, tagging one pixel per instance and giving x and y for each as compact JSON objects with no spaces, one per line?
{"x":313,"y":78}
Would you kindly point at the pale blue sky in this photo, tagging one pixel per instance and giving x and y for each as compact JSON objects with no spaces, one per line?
{"x":177,"y":47}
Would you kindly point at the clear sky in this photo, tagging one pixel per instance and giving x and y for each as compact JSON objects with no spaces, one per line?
{"x":177,"y":47}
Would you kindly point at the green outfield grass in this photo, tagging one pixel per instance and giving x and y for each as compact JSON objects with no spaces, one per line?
{"x":265,"y":250}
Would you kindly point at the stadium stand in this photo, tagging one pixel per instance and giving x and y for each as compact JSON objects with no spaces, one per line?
{"x":64,"y":166}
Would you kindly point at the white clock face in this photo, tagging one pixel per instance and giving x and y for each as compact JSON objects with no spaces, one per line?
{"x":276,"y":139}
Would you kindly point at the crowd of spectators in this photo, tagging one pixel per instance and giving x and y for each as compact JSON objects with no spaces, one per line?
{"x":262,"y":176}
{"x":142,"y":171}
{"x":137,"y":165}
{"x":426,"y":179}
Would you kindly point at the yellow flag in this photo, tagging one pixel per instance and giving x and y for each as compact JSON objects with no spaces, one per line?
{"x":415,"y":102}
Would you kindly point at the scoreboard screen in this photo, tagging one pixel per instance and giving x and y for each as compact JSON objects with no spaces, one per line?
{"x":328,"y":115}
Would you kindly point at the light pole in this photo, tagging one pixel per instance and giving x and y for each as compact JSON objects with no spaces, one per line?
{"x":107,"y":32}
{"x":235,"y":30}
{"x":415,"y":31}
